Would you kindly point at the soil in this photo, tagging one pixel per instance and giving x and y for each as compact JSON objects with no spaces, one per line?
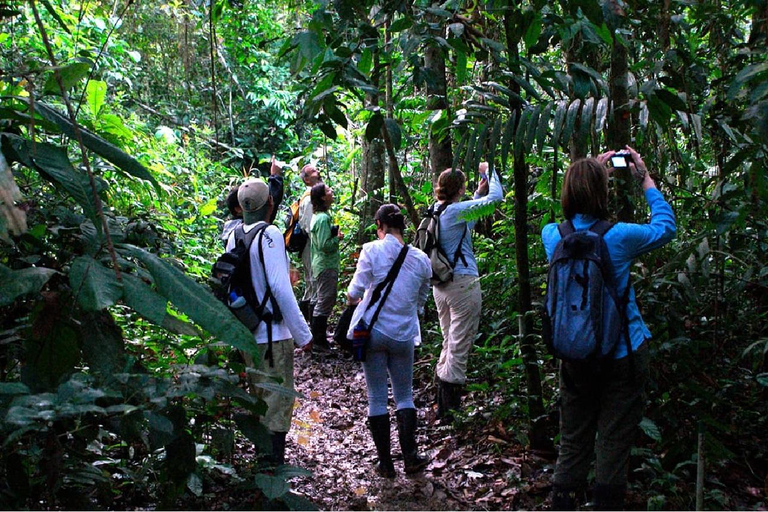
{"x":477,"y":468}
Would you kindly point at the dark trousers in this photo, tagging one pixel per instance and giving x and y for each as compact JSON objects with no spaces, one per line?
{"x":599,"y":415}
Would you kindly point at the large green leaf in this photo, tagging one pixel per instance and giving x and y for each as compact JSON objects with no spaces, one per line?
{"x":53,"y":163}
{"x":570,"y":121}
{"x":103,"y":344}
{"x":272,"y":486}
{"x":557,"y":123}
{"x":149,"y":304}
{"x":254,"y":430}
{"x":15,"y":283}
{"x":96,"y":95}
{"x":112,"y":153}
{"x":506,"y":139}
{"x":195,"y":301}
{"x":52,"y":346}
{"x":70,"y":75}
{"x":95,"y":286}
{"x":541,"y":130}
{"x":585,"y":122}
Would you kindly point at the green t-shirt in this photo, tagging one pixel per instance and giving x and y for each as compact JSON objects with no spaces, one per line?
{"x":325,"y":247}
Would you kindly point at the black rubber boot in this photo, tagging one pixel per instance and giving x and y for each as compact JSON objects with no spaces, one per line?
{"x":319,"y":336}
{"x":609,"y":497}
{"x":278,"y":447}
{"x":379,"y":426}
{"x":406,"y":429}
{"x":305,"y":307}
{"x":564,"y":498}
{"x":448,"y":399}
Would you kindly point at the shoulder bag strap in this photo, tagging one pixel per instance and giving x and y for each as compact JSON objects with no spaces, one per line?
{"x":389,"y":280}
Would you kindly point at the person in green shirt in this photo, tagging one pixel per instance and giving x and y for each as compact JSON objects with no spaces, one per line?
{"x":324,"y":239}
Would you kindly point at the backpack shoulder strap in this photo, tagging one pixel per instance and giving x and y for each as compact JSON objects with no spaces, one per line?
{"x":565,"y":228}
{"x":601,"y":227}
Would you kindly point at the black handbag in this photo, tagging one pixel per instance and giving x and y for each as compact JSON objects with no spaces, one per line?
{"x":361,"y":334}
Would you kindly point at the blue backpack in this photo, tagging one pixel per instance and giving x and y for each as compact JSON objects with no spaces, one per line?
{"x":584,"y":318}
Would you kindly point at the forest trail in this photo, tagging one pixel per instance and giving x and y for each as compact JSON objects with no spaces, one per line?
{"x":472,"y":469}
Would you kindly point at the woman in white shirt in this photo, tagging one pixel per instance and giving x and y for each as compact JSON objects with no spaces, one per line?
{"x":391,"y":348}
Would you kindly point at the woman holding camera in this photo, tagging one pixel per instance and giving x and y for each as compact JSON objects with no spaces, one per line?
{"x":600,"y":411}
{"x":459,"y":301}
{"x":391,"y":347}
{"x":324,"y":240}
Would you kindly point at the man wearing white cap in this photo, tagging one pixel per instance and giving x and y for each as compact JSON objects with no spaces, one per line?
{"x":284,"y":324}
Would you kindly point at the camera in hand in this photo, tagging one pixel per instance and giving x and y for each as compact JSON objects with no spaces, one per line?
{"x":334,"y":230}
{"x":621,"y":159}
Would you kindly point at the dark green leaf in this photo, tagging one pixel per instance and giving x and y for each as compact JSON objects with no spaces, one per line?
{"x":95,"y":286}
{"x":506,"y":140}
{"x":557,"y":123}
{"x":401,"y":24}
{"x":272,"y":486}
{"x":195,"y":301}
{"x":395,"y":134}
{"x":519,"y":147}
{"x":53,"y":163}
{"x":585,"y":122}
{"x":375,"y":124}
{"x":533,"y":32}
{"x":671,"y":99}
{"x":103,"y":344}
{"x":15,"y":283}
{"x":541,"y":131}
{"x":98,"y":145}
{"x":650,"y":429}
{"x":530,"y":130}
{"x":570,"y":121}
{"x":255,"y":431}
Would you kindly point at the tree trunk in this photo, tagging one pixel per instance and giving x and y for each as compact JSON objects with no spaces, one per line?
{"x":619,"y":125}
{"x":524,"y":306}
{"x":373,"y":165}
{"x":440,"y":155}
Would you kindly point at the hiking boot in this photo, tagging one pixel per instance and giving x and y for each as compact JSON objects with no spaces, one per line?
{"x":563,"y":498}
{"x":406,"y":429}
{"x":305,"y":308}
{"x":448,"y":399}
{"x":379,"y":426}
{"x":319,"y":334}
{"x":608,"y":497}
{"x":278,"y":447}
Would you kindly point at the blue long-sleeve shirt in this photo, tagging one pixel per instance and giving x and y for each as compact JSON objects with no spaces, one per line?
{"x":626,"y":241}
{"x":452,"y":228}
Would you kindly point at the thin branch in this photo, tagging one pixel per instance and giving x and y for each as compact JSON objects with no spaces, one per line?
{"x":79,"y":137}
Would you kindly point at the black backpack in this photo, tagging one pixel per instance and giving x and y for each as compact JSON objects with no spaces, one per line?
{"x":232,"y":284}
{"x":428,"y":240}
{"x":584,"y":317}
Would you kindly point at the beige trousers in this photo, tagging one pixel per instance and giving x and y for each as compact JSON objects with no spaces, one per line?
{"x":280,"y":405}
{"x":458,"y":306}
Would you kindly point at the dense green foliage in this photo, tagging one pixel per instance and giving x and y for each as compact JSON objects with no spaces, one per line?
{"x":124,"y":124}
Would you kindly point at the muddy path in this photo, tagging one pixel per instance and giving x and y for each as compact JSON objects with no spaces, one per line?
{"x":477,"y":468}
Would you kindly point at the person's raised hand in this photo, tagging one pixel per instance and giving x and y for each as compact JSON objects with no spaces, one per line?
{"x":638,"y":167}
{"x":603,"y":158}
{"x":275,"y":169}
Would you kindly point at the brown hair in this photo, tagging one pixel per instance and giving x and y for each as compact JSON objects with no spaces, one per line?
{"x":585,"y":189}
{"x":449,"y":184}
{"x":317,"y":197}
